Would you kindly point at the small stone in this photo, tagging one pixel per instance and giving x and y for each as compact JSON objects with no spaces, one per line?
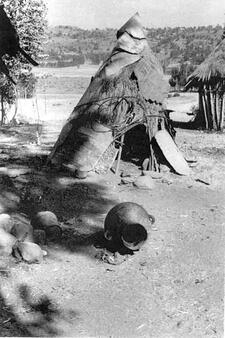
{"x":164,"y":168}
{"x":125,"y":174}
{"x":30,"y":252}
{"x":6,"y":243}
{"x":167,"y":181}
{"x":14,"y":172}
{"x":127,"y":180}
{"x":144,"y":182}
{"x":193,"y":164}
{"x":9,"y":201}
{"x":22,"y":230}
{"x":6,"y":222}
{"x":17,"y":172}
{"x":47,"y":221}
{"x":154,"y":174}
{"x":44,"y":219}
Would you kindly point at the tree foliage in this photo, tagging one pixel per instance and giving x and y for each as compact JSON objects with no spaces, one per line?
{"x":180,"y":74}
{"x":171,"y":45}
{"x":28,"y":17}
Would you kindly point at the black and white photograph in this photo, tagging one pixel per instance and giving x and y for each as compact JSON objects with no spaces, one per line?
{"x":112,"y":168}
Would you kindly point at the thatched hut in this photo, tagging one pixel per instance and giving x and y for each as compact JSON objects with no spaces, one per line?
{"x":209,"y":79}
{"x":127,"y":90}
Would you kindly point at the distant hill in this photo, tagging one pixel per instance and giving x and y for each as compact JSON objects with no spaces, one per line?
{"x":69,"y":46}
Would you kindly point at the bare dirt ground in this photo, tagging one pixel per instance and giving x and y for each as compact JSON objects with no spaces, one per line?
{"x":172,"y":288}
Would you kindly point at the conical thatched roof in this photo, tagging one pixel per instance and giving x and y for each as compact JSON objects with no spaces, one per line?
{"x":127,"y":87}
{"x":132,"y":48}
{"x":212,"y":70}
{"x":209,"y":78}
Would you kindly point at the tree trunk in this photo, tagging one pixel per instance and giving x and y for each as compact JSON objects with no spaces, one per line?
{"x":221,"y":111}
{"x":2,"y":110}
{"x":201,"y":118}
{"x":205,"y":110}
{"x":209,"y":108}
{"x":16,"y":107}
{"x":214,"y":111}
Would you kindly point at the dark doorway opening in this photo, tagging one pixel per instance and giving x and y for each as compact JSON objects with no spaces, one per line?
{"x":136,"y":145}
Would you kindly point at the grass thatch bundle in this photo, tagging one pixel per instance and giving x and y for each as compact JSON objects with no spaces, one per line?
{"x":209,"y":78}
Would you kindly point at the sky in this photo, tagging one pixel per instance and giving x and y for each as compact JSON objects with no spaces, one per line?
{"x":89,"y":14}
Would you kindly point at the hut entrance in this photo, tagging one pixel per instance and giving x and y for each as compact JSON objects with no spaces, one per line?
{"x":136,"y":145}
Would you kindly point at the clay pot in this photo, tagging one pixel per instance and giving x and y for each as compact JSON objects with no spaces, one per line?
{"x":47,"y":221}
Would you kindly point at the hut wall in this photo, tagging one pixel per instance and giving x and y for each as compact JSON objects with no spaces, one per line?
{"x":211,"y":108}
{"x":221,"y":110}
{"x":201,"y":118}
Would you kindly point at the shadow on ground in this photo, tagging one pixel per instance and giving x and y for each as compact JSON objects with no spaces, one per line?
{"x":29,"y":187}
{"x":10,"y":326}
{"x":26,"y":187}
{"x":32,"y":317}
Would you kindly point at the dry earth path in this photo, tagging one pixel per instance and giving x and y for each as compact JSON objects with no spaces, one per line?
{"x":172,"y":288}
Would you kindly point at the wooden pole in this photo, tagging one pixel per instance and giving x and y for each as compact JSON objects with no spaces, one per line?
{"x":3,"y":110}
{"x":217,"y":112}
{"x":200,"y":118}
{"x":221,"y":111}
{"x":119,"y":155}
{"x":209,"y":110}
{"x":16,"y":105}
{"x":150,"y":165}
{"x":214,"y":111}
{"x":205,"y":111}
{"x":151,"y":158}
{"x":153,"y":164}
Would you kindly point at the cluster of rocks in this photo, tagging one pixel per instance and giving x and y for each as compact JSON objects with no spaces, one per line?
{"x":22,"y":237}
{"x":147,"y":179}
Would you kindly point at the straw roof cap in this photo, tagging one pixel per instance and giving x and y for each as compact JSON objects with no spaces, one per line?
{"x":212,"y":70}
{"x":133,"y":27}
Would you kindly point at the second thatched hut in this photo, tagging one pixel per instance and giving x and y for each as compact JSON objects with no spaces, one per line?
{"x":209,"y":79}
